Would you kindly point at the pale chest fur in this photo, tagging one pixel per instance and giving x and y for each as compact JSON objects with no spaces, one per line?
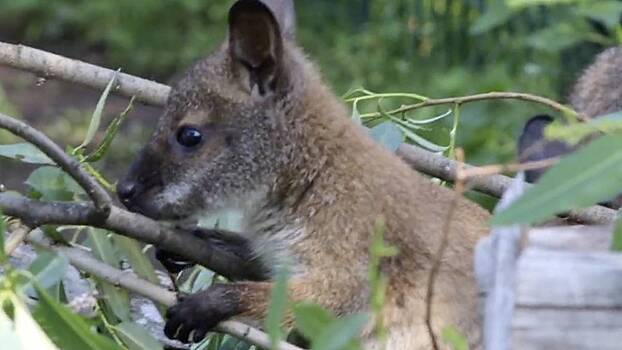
{"x":274,"y":239}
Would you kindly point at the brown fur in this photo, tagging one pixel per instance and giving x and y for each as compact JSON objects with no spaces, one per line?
{"x":311,"y":184}
{"x":599,"y":89}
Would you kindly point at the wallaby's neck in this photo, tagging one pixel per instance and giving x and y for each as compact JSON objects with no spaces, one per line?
{"x":323,"y":137}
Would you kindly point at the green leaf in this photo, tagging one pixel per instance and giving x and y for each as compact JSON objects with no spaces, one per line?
{"x":496,"y":15}
{"x":8,"y":336}
{"x":68,"y":330}
{"x":607,"y":12}
{"x":388,"y":134}
{"x":111,"y":133}
{"x":116,"y":300}
{"x":617,"y":235}
{"x":278,"y":307}
{"x":47,"y":270}
{"x":234,"y":344}
{"x":576,"y":132}
{"x":230,"y":220}
{"x":97,"y":114}
{"x":520,"y":4}
{"x":140,"y":262}
{"x":202,"y":280}
{"x":136,"y":337}
{"x":213,"y":343}
{"x":455,"y":339}
{"x":30,"y":334}
{"x":559,"y":36}
{"x":590,"y":175}
{"x":311,"y":319}
{"x":356,"y":115}
{"x":422,"y":142}
{"x":341,"y":334}
{"x":51,"y":183}
{"x":26,"y":153}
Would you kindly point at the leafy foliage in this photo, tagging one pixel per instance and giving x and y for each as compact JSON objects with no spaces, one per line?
{"x":386,"y":45}
{"x":590,"y":175}
{"x":66,"y":329}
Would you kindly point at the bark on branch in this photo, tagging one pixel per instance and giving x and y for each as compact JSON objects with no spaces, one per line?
{"x":154,"y":93}
{"x":49,"y":65}
{"x":494,"y":185}
{"x":41,"y":62}
{"x":36,"y":213}
{"x":104,"y":215}
{"x":130,"y":281}
{"x":98,"y":194}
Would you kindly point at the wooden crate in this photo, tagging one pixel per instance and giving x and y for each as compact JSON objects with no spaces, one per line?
{"x":551,"y":288}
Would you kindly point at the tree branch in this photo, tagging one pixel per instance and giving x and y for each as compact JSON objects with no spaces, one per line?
{"x":151,"y":92}
{"x":49,"y":65}
{"x":36,"y":213}
{"x":130,"y":281}
{"x":98,"y":194}
{"x":494,"y":185}
{"x":484,"y":97}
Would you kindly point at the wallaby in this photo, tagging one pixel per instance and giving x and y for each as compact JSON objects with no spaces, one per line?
{"x":598,"y":92}
{"x":254,"y":127}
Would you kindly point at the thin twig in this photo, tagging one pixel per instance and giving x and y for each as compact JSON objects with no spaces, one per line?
{"x":484,"y":97}
{"x":130,"y":281}
{"x":496,"y":169}
{"x":49,"y":65}
{"x":459,"y":190}
{"x":494,"y":185}
{"x":97,"y":193}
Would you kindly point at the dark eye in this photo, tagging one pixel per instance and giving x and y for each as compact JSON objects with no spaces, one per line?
{"x":188,"y":136}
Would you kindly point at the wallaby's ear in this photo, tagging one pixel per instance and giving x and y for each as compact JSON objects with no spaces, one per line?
{"x":256,"y":40}
{"x":533,"y":146}
{"x":285,"y":13}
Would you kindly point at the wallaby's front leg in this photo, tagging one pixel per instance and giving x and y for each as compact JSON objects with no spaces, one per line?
{"x":231,"y":251}
{"x":194,"y":315}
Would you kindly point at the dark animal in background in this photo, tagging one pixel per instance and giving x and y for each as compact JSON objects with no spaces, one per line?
{"x":598,"y":92}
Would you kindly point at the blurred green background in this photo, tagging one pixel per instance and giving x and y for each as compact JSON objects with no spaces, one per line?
{"x":438,"y":48}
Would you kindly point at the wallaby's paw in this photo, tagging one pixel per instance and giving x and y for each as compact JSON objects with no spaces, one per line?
{"x":194,"y":315}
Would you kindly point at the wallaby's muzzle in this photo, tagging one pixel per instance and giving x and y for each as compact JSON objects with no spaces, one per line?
{"x":141,"y":181}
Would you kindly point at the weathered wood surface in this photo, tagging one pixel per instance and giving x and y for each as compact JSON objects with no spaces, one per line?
{"x":495,"y":268}
{"x":568,"y":290}
{"x":571,"y":238}
{"x":553,"y":288}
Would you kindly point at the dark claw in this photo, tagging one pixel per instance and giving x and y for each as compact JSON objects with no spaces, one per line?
{"x":172,"y":262}
{"x":196,"y":314}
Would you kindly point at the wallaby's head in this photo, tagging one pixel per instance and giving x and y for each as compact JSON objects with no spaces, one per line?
{"x":533,"y":145}
{"x":597,"y":92}
{"x":223,"y":136}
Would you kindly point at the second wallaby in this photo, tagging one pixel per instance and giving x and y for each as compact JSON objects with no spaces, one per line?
{"x":597,"y":92}
{"x":253,"y":127}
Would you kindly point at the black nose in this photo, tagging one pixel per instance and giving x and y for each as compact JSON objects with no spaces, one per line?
{"x":126,"y":190}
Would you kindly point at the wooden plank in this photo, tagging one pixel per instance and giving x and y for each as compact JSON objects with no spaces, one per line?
{"x":495,"y":268}
{"x":575,"y":238}
{"x":569,"y":279}
{"x":562,"y":339}
{"x":566,"y":319}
